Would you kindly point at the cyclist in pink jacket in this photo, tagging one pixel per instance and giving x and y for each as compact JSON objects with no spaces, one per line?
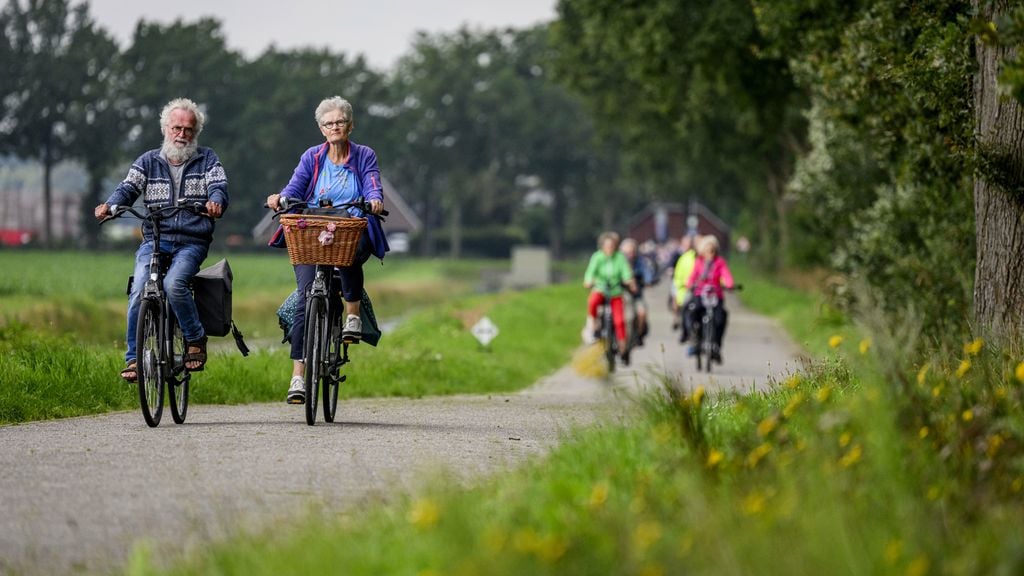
{"x":710,"y":274}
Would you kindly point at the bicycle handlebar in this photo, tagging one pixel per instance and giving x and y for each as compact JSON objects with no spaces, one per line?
{"x":287,"y":204}
{"x":116,"y":211}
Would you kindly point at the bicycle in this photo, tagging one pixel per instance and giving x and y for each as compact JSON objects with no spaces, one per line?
{"x":159,"y":341}
{"x":324,"y":350}
{"x":703,"y":333}
{"x":606,"y":333}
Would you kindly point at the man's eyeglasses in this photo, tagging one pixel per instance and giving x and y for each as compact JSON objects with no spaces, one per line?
{"x":186,"y":130}
{"x":335,"y":124}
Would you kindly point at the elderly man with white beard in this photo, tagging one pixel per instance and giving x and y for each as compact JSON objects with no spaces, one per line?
{"x":179,"y":172}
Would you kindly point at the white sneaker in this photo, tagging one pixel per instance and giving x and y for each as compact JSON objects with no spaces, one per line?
{"x":353,"y":330}
{"x":588,"y":332}
{"x":297,"y":390}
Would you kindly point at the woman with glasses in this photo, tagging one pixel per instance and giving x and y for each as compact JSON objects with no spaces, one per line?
{"x":337,"y":171}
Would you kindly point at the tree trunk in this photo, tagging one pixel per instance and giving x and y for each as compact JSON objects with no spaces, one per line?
{"x":556,"y":229}
{"x":998,"y":203}
{"x":456,"y":230}
{"x":48,"y":191}
{"x":90,"y":231}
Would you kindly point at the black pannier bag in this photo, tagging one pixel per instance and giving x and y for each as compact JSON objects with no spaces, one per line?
{"x":212,"y":289}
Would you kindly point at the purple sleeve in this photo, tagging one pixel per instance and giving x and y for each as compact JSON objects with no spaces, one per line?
{"x":370,"y":176}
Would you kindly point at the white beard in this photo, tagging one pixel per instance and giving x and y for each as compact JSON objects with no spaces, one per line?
{"x":176,"y":153}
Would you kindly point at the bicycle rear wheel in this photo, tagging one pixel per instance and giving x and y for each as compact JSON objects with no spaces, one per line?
{"x":177,"y":377}
{"x":149,"y":348}
{"x":337,"y":355}
{"x":316,"y":329}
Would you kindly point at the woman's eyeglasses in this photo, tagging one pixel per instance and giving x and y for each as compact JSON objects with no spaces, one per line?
{"x":335,"y":124}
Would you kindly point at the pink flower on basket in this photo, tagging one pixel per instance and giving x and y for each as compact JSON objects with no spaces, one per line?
{"x":331,"y":226}
{"x":326,"y":237}
{"x":301,"y":224}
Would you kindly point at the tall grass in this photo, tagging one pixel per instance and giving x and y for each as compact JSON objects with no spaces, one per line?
{"x":838,"y":470}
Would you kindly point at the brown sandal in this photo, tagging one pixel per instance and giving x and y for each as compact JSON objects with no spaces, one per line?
{"x":200,"y":356}
{"x":131,"y":372}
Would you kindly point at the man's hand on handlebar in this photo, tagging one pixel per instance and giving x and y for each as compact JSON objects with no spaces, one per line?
{"x":101,"y":211}
{"x":214,"y":209}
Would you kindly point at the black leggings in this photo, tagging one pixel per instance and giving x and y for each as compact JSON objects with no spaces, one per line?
{"x":694,"y":316}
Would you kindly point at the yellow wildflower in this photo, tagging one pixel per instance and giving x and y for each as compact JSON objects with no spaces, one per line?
{"x":844,"y":439}
{"x":598,"y":495}
{"x":1019,"y":373}
{"x":835,"y":341}
{"x":934,"y":493}
{"x":495,"y":539}
{"x":757,"y":454}
{"x":646,"y":535}
{"x":1000,"y":393}
{"x":823,"y":394}
{"x":893,"y":551}
{"x":992,"y":444}
{"x":919,"y":567}
{"x":753,"y":504}
{"x":865,"y":345}
{"x":551,"y":548}
{"x":714,"y":458}
{"x":767,"y":425}
{"x":851,"y":457}
{"x":662,"y":433}
{"x":793,"y":404}
{"x":922,"y":374}
{"x":923,"y":432}
{"x":526,"y":541}
{"x":795,"y":380}
{"x":698,"y":395}
{"x":967,"y":415}
{"x":424,"y":513}
{"x":965,"y":365}
{"x":973,"y":347}
{"x":1018,"y":484}
{"x":936,"y":391}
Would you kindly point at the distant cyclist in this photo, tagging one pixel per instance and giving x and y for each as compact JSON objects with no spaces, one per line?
{"x":607,"y":274}
{"x":645,"y":275}
{"x":710,"y":272}
{"x":680,"y":276}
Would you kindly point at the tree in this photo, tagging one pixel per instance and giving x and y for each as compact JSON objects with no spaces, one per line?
{"x":55,"y":55}
{"x":998,"y":185}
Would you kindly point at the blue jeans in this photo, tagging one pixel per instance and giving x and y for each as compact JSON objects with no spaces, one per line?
{"x":185,"y":262}
{"x":352,"y":280}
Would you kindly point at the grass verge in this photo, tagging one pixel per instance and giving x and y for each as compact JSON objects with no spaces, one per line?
{"x":431,"y":353}
{"x":831,"y":472}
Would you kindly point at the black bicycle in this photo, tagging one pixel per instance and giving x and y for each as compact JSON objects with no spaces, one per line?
{"x":324,"y":350}
{"x":704,"y":332}
{"x":159,"y":341}
{"x":606,"y":335}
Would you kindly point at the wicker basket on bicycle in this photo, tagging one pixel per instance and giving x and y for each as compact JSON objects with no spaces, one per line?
{"x":315,"y":239}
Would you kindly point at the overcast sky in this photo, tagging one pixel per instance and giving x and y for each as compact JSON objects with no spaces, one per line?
{"x":380,"y":29}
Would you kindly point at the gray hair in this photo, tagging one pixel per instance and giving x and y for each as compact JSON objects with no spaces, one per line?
{"x":182,"y":104}
{"x":333,"y":103}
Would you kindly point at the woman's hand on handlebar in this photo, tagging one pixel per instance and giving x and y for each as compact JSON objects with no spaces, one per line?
{"x":274,"y":202}
{"x":376,"y":206}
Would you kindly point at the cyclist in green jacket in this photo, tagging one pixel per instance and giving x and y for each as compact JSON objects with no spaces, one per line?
{"x":607,"y":274}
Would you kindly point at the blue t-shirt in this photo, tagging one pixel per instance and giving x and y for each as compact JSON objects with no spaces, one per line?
{"x":339,"y":185}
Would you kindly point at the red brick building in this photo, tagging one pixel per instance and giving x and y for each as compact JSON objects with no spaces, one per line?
{"x":662,"y":221}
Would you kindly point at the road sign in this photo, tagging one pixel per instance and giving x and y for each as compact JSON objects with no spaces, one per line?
{"x":484,"y":330}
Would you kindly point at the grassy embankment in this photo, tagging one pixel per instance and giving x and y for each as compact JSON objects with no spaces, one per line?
{"x":61,"y":347}
{"x":914,"y":473}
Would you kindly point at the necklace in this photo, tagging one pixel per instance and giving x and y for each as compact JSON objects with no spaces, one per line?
{"x":333,"y":174}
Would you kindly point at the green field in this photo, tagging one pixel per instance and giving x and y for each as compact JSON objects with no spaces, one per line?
{"x":59,"y":356}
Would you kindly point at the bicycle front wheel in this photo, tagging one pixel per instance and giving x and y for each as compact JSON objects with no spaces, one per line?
{"x":316,"y":335}
{"x":177,"y":377}
{"x":149,"y":347}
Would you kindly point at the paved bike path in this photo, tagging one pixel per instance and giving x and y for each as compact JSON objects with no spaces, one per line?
{"x":78,"y":494}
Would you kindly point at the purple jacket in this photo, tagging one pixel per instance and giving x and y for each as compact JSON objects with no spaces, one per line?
{"x":362,"y":161}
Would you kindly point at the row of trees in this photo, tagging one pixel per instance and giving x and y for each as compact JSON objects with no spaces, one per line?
{"x":465,"y":125}
{"x":853,"y":133}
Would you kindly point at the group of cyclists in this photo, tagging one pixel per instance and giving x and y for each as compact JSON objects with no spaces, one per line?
{"x":618,"y":272}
